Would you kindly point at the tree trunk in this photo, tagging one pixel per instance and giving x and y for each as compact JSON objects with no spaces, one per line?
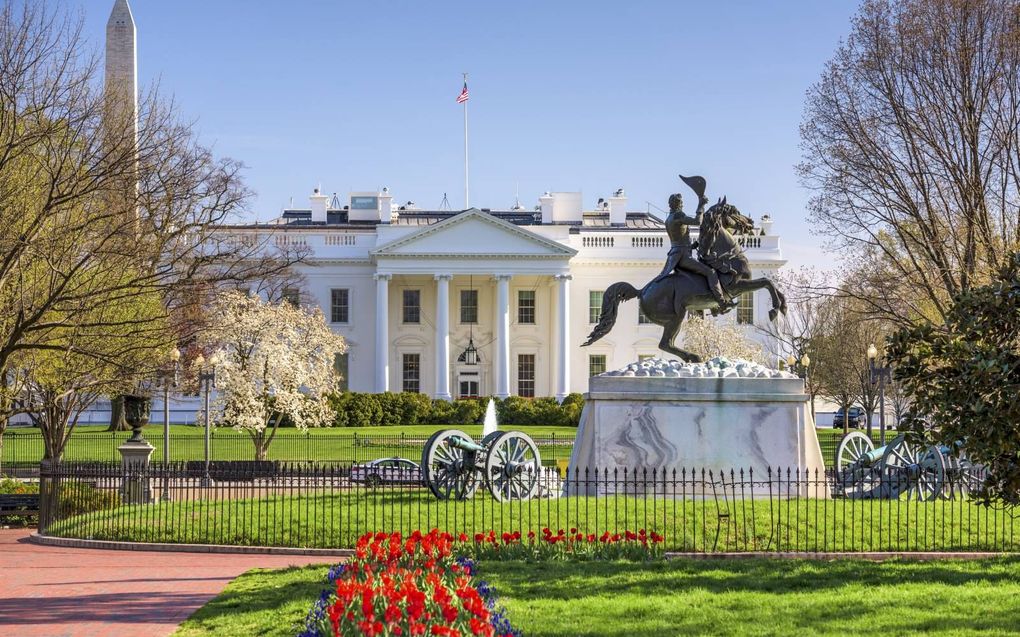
{"x":261,"y":448}
{"x":117,"y":420}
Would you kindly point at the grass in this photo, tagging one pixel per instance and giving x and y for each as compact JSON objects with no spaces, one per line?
{"x":710,"y":597}
{"x":323,"y":444}
{"x":259,"y":602}
{"x":337,"y":519}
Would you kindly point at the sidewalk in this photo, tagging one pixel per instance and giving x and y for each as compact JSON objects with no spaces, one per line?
{"x":58,"y":592}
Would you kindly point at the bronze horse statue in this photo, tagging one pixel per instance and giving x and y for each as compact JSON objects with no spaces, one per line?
{"x":667,"y":300}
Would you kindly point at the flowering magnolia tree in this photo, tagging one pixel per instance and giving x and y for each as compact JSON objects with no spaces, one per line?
{"x":709,"y":339}
{"x":273,"y":361}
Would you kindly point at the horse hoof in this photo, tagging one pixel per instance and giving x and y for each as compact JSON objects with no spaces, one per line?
{"x":772,"y":314}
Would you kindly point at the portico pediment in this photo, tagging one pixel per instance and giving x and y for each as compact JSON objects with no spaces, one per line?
{"x":474,"y":234}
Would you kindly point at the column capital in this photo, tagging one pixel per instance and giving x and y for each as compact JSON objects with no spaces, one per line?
{"x":563,"y":277}
{"x":502,"y":277}
{"x":382,"y":277}
{"x":443,"y":277}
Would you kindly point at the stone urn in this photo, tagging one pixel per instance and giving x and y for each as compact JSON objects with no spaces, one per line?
{"x":136,"y":412}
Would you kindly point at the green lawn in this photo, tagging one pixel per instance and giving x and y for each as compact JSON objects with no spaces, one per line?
{"x":322,"y":444}
{"x":337,"y":519}
{"x":710,"y":597}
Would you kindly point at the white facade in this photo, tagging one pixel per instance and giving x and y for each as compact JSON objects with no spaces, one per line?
{"x":549,"y":261}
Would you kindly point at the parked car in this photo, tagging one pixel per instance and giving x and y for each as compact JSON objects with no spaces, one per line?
{"x":856,"y":418}
{"x":387,"y":471}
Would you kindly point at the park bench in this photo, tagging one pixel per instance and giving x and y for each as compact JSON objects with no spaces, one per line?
{"x":19,"y":505}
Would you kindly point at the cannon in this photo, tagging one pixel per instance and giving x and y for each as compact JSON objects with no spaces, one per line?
{"x":507,"y":462}
{"x":864,"y":472}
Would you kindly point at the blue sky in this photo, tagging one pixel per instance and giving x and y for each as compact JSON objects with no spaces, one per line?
{"x":588,"y":96}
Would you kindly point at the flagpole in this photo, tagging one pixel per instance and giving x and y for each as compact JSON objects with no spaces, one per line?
{"x":467,"y":203}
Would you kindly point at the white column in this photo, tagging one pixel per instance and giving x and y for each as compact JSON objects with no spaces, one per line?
{"x":563,"y":336}
{"x":502,"y":335}
{"x":443,"y":336}
{"x":382,"y":332}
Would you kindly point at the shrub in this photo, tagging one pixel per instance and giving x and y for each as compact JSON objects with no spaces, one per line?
{"x":441,"y":412}
{"x":469,"y":411}
{"x":17,"y":487}
{"x":352,"y":409}
{"x":77,"y":498}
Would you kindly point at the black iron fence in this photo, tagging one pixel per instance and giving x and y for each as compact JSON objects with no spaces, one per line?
{"x":703,"y":511}
{"x":23,"y":449}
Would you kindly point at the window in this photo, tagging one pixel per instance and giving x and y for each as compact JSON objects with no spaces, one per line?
{"x":468,"y":389}
{"x":526,"y":375}
{"x":645,"y":357}
{"x":745,"y":309}
{"x":292,"y":296}
{"x":469,"y":306}
{"x":412,"y":373}
{"x":412,"y":306}
{"x":596,"y":364}
{"x":594,"y":306}
{"x":364,"y":203}
{"x":339,"y":305}
{"x":526,"y":307}
{"x":341,"y":364}
{"x":641,"y":318}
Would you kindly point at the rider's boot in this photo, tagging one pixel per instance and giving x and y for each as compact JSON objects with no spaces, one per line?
{"x":717,"y":291}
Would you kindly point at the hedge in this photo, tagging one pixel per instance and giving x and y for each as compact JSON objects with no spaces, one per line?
{"x":353,"y":409}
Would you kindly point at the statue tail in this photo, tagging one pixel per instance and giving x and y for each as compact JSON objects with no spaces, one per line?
{"x":611,"y":299}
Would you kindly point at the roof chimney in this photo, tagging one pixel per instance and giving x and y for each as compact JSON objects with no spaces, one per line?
{"x":618,"y":208}
{"x":318,"y":203}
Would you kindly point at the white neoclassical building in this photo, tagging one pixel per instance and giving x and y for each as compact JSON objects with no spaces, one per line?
{"x":485,"y":302}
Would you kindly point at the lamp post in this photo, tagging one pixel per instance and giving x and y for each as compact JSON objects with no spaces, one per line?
{"x":880,"y":374}
{"x":168,"y":378}
{"x":207,"y":380}
{"x":799,"y":366}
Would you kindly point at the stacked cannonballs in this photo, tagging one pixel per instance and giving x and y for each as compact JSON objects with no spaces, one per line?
{"x":718,"y":367}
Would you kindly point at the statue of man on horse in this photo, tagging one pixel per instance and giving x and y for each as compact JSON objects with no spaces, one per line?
{"x":692,"y":285}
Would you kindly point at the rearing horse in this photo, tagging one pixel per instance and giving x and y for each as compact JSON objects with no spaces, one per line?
{"x":667,"y":301}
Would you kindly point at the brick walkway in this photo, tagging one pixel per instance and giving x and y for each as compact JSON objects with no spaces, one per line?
{"x":58,"y":592}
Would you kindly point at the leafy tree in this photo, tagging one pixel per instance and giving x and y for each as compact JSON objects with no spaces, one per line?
{"x":964,"y":378}
{"x":93,"y":215}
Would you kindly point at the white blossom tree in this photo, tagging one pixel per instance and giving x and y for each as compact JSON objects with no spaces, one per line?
{"x":274,"y":361}
{"x":709,"y":339}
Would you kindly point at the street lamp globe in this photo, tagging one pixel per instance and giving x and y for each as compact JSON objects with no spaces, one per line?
{"x":175,"y":355}
{"x":791,"y":360}
{"x":200,"y":361}
{"x":872,"y":351}
{"x":805,"y":360}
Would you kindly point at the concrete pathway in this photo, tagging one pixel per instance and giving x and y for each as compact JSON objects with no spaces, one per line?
{"x":61,"y":592}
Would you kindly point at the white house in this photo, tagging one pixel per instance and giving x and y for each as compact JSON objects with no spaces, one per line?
{"x":412,"y":290}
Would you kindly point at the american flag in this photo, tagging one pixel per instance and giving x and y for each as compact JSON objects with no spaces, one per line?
{"x":463,"y":97}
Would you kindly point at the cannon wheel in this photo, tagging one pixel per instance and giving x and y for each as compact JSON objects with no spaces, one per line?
{"x":855,"y":480}
{"x":851,"y":447}
{"x":449,"y":472}
{"x":513,"y":467}
{"x":920,"y":475}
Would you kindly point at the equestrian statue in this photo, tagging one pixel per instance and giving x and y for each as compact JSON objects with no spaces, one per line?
{"x":710,"y":282}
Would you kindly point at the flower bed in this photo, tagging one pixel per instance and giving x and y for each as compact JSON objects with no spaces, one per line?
{"x":426,"y":585}
{"x":412,"y":586}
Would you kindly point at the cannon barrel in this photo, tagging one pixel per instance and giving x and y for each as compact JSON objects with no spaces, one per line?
{"x":466,"y":445}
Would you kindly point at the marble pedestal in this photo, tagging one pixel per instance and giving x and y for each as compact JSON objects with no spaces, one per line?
{"x":134,"y":462}
{"x":650,"y":426}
